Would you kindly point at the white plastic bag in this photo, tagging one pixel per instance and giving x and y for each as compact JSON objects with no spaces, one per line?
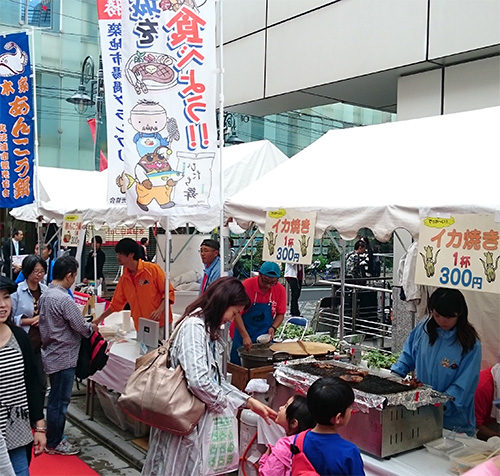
{"x":220,"y":442}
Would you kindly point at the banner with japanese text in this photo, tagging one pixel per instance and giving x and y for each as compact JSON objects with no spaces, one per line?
{"x":289,"y":236}
{"x":169,"y":98}
{"x":460,"y":251}
{"x":110,"y":33}
{"x":17,"y":126}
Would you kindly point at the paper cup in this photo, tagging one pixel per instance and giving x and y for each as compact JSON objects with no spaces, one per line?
{"x":126,"y":321}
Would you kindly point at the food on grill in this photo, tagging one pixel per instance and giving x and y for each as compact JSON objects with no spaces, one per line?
{"x":370,"y":383}
{"x":412,"y":382}
{"x":352,"y":378}
{"x":354,"y":375}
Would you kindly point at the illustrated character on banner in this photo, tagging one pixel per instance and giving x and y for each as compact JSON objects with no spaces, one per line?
{"x":12,"y":63}
{"x":148,"y":118}
{"x":430,"y":261}
{"x":489,"y":268}
{"x":154,"y":177}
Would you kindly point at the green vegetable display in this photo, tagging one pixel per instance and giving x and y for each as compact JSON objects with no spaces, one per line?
{"x":295,"y":332}
{"x":324,"y":339}
{"x":380,"y":360}
{"x":292,"y":331}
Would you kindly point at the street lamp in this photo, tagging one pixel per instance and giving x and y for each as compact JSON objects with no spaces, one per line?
{"x":81,"y":99}
{"x":230,"y":128}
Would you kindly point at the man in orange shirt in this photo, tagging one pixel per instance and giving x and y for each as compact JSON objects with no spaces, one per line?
{"x":142,"y":285}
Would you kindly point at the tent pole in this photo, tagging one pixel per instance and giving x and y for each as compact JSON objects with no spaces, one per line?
{"x":342,"y":288}
{"x":95,"y":257}
{"x":167,"y":279}
{"x":221,"y":174}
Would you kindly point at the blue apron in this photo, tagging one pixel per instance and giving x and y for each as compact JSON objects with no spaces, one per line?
{"x":258,"y":319}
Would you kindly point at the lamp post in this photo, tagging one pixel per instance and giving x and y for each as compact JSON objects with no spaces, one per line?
{"x":231,"y":129}
{"x":81,"y":100}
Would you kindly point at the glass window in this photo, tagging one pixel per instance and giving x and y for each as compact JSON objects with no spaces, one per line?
{"x":37,"y":13}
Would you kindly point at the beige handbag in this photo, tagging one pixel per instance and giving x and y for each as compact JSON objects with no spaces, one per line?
{"x":159,"y":396}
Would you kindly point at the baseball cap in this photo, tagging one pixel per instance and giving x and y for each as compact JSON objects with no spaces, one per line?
{"x":270,"y":269}
{"x":214,"y":244}
{"x":8,"y":284}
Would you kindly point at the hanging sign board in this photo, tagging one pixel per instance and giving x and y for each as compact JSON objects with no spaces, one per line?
{"x":289,"y":236}
{"x":17,"y":121}
{"x":71,"y":230}
{"x":459,"y":251}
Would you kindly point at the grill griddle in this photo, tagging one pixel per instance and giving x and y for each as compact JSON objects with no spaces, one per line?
{"x":370,"y":383}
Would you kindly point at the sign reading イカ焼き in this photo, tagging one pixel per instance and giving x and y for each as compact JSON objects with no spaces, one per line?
{"x":459,"y":251}
{"x":289,"y":236}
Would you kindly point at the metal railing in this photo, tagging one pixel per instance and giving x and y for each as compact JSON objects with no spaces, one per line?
{"x":367,"y":311}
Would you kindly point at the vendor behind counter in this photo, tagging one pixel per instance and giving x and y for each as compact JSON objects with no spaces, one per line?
{"x":445,"y":351}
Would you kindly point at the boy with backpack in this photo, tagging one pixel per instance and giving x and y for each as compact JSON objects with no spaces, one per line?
{"x":322,"y":450}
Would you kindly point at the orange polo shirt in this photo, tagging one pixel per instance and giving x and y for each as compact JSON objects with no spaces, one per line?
{"x":144,"y":291}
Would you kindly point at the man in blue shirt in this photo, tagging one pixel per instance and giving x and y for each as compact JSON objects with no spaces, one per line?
{"x":209,"y":252}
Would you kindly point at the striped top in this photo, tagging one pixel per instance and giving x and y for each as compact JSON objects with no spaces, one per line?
{"x":14,"y":416}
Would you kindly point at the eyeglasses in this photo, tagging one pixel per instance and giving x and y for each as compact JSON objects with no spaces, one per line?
{"x":38,"y":272}
{"x":268,"y":281}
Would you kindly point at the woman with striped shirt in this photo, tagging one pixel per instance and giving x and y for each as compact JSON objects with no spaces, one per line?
{"x":21,"y":406}
{"x":198,"y":348}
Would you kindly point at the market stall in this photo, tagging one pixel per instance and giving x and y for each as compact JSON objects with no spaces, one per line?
{"x":384,"y":177}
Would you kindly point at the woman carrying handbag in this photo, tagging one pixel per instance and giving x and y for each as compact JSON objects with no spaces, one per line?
{"x":198,"y":348}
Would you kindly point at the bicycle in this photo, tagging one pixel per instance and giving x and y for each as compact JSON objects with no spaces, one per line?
{"x":313,"y":274}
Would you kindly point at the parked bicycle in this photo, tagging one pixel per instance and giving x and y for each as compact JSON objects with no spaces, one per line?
{"x":313,"y":273}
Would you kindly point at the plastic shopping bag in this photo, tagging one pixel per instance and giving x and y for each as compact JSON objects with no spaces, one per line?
{"x":220,"y":442}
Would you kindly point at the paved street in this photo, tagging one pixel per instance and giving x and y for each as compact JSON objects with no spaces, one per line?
{"x":101,"y":459}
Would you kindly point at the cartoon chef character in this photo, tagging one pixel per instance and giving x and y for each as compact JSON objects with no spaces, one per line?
{"x":148,"y":118}
{"x":155,"y":179}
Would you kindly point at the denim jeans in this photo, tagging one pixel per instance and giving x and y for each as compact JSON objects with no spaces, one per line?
{"x":61,"y":387}
{"x":19,"y":460}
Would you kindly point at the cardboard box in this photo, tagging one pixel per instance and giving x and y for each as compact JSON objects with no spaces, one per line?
{"x":241,"y":375}
{"x":109,"y":403}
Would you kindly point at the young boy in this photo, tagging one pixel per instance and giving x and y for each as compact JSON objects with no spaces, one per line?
{"x":330,"y":402}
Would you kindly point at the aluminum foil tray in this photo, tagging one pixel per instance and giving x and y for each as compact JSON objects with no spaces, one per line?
{"x":373,"y":392}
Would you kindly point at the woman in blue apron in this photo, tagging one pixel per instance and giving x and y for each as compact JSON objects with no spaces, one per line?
{"x":258,"y":319}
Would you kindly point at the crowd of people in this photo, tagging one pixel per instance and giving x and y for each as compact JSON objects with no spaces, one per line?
{"x":41,"y":328}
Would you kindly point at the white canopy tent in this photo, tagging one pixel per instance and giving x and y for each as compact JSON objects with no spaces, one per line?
{"x":65,"y":191}
{"x":383,"y":177}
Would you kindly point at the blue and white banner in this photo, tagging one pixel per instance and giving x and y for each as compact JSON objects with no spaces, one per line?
{"x":17,"y":127}
{"x":169,"y":97}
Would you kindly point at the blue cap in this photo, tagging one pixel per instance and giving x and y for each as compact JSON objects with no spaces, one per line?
{"x":270,"y":269}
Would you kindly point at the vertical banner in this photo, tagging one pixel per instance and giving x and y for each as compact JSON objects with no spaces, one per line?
{"x":17,"y":147}
{"x":459,"y":252}
{"x":110,"y":32}
{"x":169,"y":93}
{"x":289,"y":236}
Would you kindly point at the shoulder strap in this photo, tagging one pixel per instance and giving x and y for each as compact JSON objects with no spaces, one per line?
{"x":299,"y":439}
